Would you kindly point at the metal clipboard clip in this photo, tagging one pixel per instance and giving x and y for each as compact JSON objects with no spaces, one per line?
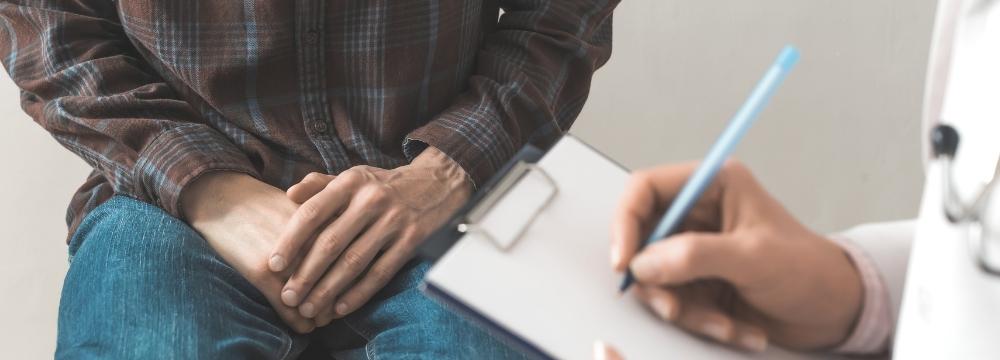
{"x":508,"y":211}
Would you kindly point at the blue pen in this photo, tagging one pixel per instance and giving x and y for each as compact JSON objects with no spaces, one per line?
{"x":709,"y":167}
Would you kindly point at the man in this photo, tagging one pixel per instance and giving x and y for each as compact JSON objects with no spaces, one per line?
{"x":201,"y":113}
{"x":752,"y":274}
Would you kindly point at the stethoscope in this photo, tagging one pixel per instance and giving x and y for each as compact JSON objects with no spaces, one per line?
{"x":976,"y":216}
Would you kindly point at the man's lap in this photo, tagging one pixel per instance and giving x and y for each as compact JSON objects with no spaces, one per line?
{"x":142,"y":283}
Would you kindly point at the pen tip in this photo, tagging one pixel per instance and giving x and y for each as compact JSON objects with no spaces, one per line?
{"x":626,"y":282}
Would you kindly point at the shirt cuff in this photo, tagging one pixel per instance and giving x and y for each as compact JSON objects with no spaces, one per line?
{"x":180,"y":155}
{"x":479,"y":145}
{"x":873,"y":329}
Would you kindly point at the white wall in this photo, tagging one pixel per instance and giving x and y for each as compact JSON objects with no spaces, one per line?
{"x":37,"y":179}
{"x":838,"y":145}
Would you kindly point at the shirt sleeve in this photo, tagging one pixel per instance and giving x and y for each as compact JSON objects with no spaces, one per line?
{"x":84,"y":82}
{"x":531,"y":80}
{"x":873,"y":328}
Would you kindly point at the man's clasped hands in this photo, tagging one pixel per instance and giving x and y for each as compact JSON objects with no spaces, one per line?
{"x":320,"y":250}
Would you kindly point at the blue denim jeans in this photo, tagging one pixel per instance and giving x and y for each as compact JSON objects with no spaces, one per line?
{"x":144,"y":285}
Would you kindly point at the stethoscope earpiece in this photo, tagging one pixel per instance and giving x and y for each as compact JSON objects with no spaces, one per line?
{"x":944,"y":141}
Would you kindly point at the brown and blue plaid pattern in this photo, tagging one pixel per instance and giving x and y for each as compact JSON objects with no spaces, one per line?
{"x":153,"y":94}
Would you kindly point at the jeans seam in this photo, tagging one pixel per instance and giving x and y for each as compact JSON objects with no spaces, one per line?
{"x":370,"y":350}
{"x":288,"y":347}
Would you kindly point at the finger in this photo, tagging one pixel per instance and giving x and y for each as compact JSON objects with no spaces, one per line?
{"x":708,"y":320}
{"x":690,"y":256}
{"x":329,"y":245}
{"x":648,"y":191}
{"x":349,"y":265}
{"x":310,"y":185}
{"x":288,"y":314}
{"x":312,"y":214}
{"x":664,"y":302}
{"x":635,"y":208}
{"x":380,"y":273}
{"x":603,"y":351}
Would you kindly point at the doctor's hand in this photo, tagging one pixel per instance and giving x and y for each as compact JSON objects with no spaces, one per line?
{"x":357,"y":229}
{"x":744,"y":271}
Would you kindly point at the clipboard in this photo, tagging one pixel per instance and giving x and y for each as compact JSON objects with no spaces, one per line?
{"x":541,"y":282}
{"x":468,"y":219}
{"x":442,"y":239}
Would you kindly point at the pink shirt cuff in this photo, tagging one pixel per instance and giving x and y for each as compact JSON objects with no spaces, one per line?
{"x":873,"y":329}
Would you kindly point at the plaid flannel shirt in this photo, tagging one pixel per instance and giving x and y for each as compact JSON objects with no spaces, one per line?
{"x":153,"y":94}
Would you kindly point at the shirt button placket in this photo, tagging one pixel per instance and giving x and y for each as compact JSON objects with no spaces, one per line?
{"x":315,"y":118}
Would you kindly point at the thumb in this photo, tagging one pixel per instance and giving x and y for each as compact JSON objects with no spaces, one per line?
{"x":687,"y":257}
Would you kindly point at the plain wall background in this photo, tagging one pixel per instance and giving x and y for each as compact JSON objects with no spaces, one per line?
{"x":838,"y":145}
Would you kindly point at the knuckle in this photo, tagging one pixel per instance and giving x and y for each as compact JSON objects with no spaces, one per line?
{"x":309,"y":212}
{"x":353,"y":175}
{"x":363,"y":170}
{"x":353,"y":259}
{"x":376,"y":194}
{"x":313,"y":177}
{"x":330,"y":242}
{"x":380,"y":275}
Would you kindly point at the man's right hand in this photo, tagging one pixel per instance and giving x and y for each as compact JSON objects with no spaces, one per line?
{"x":241,"y":218}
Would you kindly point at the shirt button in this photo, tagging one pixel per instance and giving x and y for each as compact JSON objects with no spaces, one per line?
{"x":319,"y":127}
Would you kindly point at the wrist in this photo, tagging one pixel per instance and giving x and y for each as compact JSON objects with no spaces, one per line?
{"x":846,"y":281}
{"x":212,"y":194}
{"x":445,"y":166}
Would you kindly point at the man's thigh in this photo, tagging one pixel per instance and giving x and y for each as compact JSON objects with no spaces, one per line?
{"x":400,"y":322}
{"x":142,"y":284}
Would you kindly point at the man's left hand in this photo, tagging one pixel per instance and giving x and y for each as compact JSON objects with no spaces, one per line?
{"x":363,"y":225}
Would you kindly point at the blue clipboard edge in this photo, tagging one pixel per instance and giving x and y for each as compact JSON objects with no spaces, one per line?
{"x":486,"y":324}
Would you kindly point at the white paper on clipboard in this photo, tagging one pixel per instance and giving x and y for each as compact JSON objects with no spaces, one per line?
{"x":552,"y":287}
